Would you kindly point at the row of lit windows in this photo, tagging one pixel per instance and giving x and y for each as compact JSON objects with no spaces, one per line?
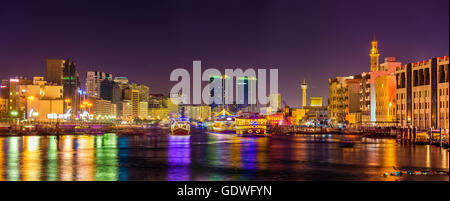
{"x":419,"y":94}
{"x":443,"y":103}
{"x":401,"y":96}
{"x":425,"y":105}
{"x":442,"y":91}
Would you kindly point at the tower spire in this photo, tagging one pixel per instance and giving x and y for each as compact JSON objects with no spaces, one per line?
{"x":374,"y":55}
{"x":304,"y":86}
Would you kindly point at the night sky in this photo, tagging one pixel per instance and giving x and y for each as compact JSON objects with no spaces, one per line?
{"x":312,"y":40}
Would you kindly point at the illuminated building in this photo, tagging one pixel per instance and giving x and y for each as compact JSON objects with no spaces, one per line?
{"x":4,"y":89}
{"x":297,"y":115}
{"x":353,"y":116}
{"x":45,"y":110}
{"x":245,"y":100}
{"x":156,"y":101}
{"x":275,"y":102}
{"x":71,"y":85}
{"x":3,"y":109}
{"x":304,"y":86}
{"x":134,"y":102}
{"x":144,"y":91}
{"x":158,"y":113}
{"x":422,"y":94}
{"x":387,"y":68}
{"x":315,"y":115}
{"x":218,"y":87}
{"x":385,"y":100}
{"x":143,"y":110}
{"x":54,"y":70}
{"x":315,"y":101}
{"x":63,"y":72}
{"x":110,"y":90}
{"x":275,"y":119}
{"x":102,"y":107}
{"x":126,"y":110}
{"x":94,"y":80}
{"x":36,"y":99}
{"x":365,"y":97}
{"x":172,"y":104}
{"x":338,"y":100}
{"x":198,"y":112}
{"x":15,"y":106}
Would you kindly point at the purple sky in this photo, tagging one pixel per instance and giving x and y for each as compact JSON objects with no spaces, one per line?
{"x":312,"y":40}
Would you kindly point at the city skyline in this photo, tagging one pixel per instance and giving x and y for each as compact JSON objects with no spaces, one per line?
{"x":224,"y":91}
{"x":153,"y":51}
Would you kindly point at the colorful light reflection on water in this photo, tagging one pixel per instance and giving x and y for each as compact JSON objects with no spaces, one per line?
{"x":206,"y":156}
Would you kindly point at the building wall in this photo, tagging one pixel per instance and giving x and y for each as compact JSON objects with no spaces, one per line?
{"x":159,"y":113}
{"x":143,"y":110}
{"x":198,"y":112}
{"x":385,"y":99}
{"x":102,"y":107}
{"x":338,"y":100}
{"x":421,"y":94}
{"x":43,"y":108}
{"x":317,"y":101}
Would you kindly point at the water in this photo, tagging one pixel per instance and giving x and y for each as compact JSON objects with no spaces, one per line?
{"x":204,"y":156}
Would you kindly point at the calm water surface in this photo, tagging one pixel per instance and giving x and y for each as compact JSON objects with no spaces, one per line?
{"x":206,"y":156}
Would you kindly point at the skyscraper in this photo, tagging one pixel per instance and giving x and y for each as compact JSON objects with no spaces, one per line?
{"x":54,"y":70}
{"x":218,"y":88}
{"x":246,"y":99}
{"x":71,"y":84}
{"x":94,"y":80}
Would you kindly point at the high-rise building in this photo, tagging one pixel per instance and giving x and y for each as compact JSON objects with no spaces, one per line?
{"x":94,"y":80}
{"x":144,"y":91}
{"x":134,"y":102}
{"x":71,"y":85}
{"x":304,"y":86}
{"x":275,"y":102}
{"x":218,"y":92}
{"x":422,"y":90}
{"x":54,"y":70}
{"x":245,"y":94}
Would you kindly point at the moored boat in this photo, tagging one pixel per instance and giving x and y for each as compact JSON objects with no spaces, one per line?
{"x":250,"y":124}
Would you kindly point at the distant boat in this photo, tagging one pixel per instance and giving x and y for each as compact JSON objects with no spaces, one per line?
{"x":180,"y":126}
{"x":250,"y":124}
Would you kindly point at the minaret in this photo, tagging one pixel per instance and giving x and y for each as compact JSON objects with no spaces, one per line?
{"x":374,"y":56}
{"x":304,"y":86}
